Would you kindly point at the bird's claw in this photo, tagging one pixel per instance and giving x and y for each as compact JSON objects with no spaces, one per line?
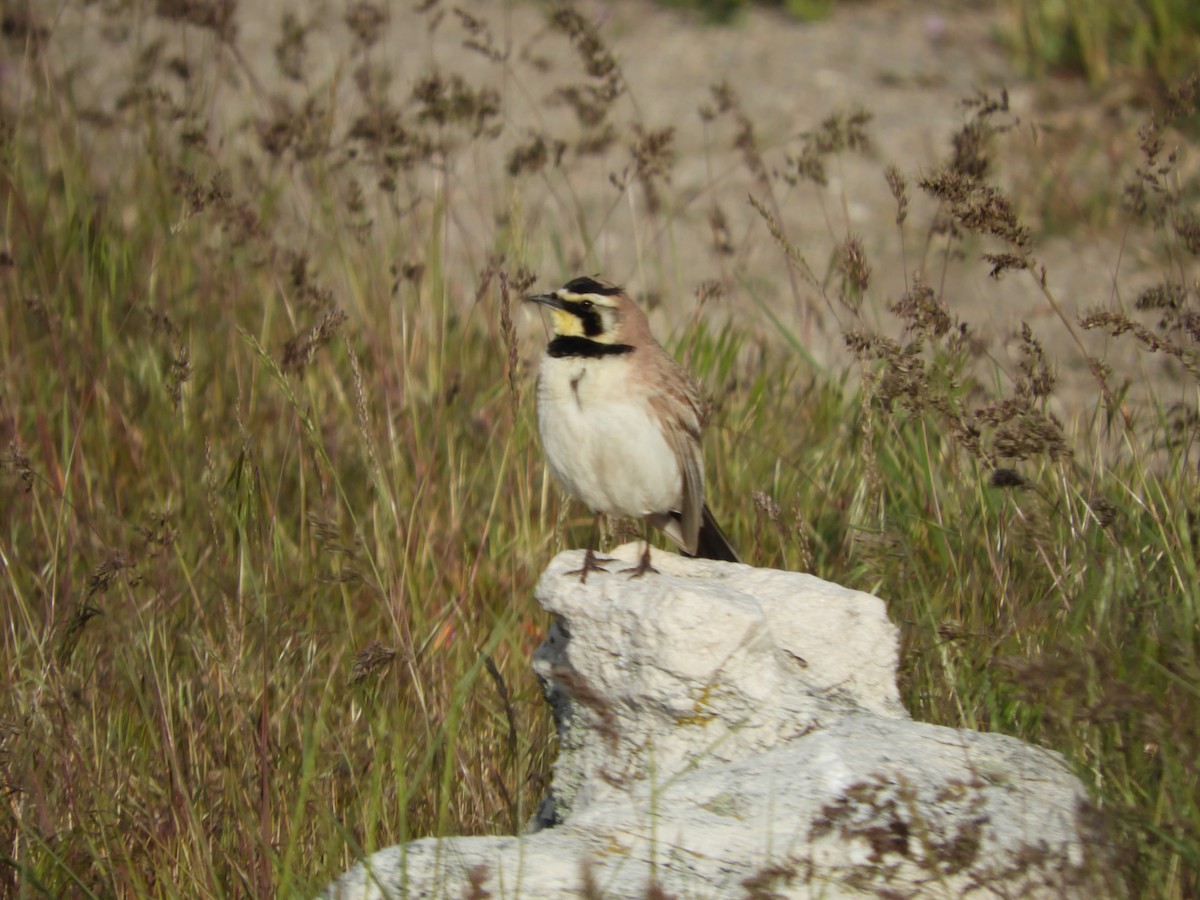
{"x":591,"y":563}
{"x":643,"y":567}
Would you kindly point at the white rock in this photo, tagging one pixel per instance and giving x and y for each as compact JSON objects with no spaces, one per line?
{"x":729,"y":732}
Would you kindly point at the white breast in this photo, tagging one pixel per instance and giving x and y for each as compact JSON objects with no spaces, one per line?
{"x":601,"y":439}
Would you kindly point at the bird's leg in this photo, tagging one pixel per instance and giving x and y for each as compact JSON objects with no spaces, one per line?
{"x":591,"y":562}
{"x":643,"y":565}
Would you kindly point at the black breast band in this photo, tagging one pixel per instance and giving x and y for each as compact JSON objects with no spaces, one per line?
{"x":581,"y":346}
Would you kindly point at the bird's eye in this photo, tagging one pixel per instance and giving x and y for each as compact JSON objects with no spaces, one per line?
{"x":586,"y":305}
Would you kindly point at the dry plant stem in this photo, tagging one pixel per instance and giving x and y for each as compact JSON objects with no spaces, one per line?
{"x":1093,"y":364}
{"x":796,"y":262}
{"x":808,"y":315}
{"x":751,"y":155}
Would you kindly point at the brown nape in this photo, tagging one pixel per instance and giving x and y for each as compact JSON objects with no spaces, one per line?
{"x":634,"y":327}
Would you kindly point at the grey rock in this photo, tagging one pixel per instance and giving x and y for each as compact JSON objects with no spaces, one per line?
{"x":729,"y":731}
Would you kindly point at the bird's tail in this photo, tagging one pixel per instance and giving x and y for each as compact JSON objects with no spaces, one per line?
{"x":712,"y":543}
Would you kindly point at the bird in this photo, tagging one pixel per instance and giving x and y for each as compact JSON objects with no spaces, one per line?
{"x":620,"y":422}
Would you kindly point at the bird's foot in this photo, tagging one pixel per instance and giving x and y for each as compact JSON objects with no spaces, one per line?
{"x":591,"y":563}
{"x":642,"y":567}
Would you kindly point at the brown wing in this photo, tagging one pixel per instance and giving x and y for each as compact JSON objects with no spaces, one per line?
{"x":678,"y":406}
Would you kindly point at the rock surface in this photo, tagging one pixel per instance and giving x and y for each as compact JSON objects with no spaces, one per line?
{"x":730,"y":731}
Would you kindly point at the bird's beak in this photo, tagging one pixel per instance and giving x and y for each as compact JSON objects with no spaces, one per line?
{"x":551,"y":300}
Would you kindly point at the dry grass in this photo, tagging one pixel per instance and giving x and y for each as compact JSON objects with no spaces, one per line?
{"x":276,"y":506}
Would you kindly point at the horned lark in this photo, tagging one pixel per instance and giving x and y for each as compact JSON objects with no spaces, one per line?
{"x":620,"y":422}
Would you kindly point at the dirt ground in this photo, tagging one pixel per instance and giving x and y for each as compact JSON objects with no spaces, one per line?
{"x":909,"y":63}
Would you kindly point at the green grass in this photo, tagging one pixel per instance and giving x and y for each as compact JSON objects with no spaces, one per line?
{"x":1155,"y":42}
{"x":276,"y":507}
{"x":1152,"y":43}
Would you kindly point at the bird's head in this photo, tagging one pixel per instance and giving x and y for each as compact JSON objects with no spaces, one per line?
{"x":593,"y":310}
